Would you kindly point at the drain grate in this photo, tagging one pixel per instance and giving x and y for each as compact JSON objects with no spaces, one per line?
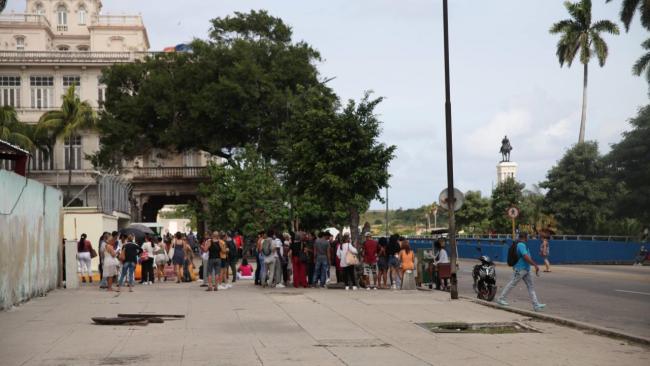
{"x":352,"y":343}
{"x":479,"y":328}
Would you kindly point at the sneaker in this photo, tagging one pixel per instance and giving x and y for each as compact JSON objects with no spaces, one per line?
{"x":368,"y":288}
{"x":279,"y":285}
{"x":502,"y":302}
{"x":539,"y":307}
{"x":229,"y":285}
{"x":222,"y":287}
{"x":374,"y":288}
{"x":354,"y":288}
{"x":347,"y":288}
{"x":151,"y":282}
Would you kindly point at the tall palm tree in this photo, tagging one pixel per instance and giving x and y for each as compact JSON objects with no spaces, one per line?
{"x":643,"y":63}
{"x":580,"y":35}
{"x":12,"y":131}
{"x":628,"y":8}
{"x":73,"y":117}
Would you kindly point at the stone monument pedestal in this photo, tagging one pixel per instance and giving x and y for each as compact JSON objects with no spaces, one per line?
{"x":505,"y":170}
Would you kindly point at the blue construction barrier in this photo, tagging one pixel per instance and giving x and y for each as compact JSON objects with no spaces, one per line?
{"x":561,"y":251}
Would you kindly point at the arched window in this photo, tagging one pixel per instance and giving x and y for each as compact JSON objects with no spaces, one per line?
{"x":39,"y":9}
{"x":82,"y":15}
{"x":62,"y":17}
{"x":83,"y":48}
{"x":63,"y":48}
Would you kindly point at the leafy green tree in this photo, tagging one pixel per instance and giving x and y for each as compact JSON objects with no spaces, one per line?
{"x":630,"y":159}
{"x":12,"y":131}
{"x":474,"y":216}
{"x":230,"y":91}
{"x":580,"y":35}
{"x":505,"y":195}
{"x":73,"y":117}
{"x":247,"y":194}
{"x":642,"y":65}
{"x":335,"y":156}
{"x":629,"y":7}
{"x":580,"y":190}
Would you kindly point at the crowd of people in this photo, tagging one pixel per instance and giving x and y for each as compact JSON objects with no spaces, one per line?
{"x":300,"y":259}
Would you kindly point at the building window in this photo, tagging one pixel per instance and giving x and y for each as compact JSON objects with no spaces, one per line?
{"x":41,"y":160}
{"x":62,"y":17}
{"x":63,"y":48}
{"x":39,"y":9}
{"x":41,"y":91}
{"x":72,"y":80}
{"x":83,"y":48}
{"x":101,"y":95}
{"x":75,"y":142}
{"x":82,"y":16}
{"x":10,"y":91}
{"x":20,"y":43}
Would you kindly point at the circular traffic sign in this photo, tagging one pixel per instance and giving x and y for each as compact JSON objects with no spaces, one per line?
{"x":459,"y":199}
{"x":513,"y":212}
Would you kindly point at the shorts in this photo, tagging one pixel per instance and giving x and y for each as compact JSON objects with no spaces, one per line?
{"x":382,"y":263}
{"x":224,"y":263}
{"x":214,"y":265}
{"x":393,"y":262}
{"x":369,"y":269}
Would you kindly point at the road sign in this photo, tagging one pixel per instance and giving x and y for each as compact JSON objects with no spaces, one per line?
{"x":513,"y":212}
{"x":459,"y":198}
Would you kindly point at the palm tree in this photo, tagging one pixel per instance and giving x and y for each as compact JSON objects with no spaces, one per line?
{"x":580,"y":34}
{"x":66,"y":123}
{"x":643,"y":63}
{"x":628,"y":8}
{"x":12,"y":131}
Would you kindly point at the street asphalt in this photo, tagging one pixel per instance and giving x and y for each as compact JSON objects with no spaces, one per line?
{"x":616,"y":297}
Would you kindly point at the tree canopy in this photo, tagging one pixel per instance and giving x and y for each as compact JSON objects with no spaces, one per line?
{"x":579,"y":190}
{"x":231,"y":90}
{"x":505,"y":195}
{"x":630,"y":159}
{"x":475,"y":213}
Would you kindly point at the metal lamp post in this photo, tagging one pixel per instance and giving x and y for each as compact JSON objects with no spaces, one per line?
{"x":450,"y":157}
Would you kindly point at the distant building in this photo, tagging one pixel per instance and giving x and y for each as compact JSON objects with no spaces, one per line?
{"x":59,"y":43}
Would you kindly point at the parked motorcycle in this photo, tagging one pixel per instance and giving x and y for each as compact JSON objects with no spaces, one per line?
{"x":485,"y":279}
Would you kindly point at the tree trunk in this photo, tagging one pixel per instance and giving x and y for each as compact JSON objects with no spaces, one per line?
{"x":354,"y":225}
{"x":583,"y":119}
{"x":69,"y":193}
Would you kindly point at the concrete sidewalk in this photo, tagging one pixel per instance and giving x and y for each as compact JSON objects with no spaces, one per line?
{"x":247,"y":325}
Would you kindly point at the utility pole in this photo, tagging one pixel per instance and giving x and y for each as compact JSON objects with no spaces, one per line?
{"x":450,"y":158}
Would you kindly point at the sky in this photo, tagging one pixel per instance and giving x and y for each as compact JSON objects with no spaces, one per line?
{"x":505,"y":78}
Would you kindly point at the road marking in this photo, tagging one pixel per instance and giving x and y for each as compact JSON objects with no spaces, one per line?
{"x":634,"y":292}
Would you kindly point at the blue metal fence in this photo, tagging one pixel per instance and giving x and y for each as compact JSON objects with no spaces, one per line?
{"x":561,"y":251}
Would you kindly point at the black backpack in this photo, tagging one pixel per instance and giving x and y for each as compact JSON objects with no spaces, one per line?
{"x":513,"y":255}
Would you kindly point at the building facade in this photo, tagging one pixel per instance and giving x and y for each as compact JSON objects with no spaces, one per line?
{"x":59,"y":43}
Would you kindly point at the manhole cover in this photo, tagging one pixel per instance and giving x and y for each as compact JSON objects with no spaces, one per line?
{"x":478,"y":328}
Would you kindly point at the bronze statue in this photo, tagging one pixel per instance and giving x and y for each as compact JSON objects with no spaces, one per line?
{"x":506,"y":148}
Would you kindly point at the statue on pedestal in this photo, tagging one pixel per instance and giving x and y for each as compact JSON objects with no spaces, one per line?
{"x":506,"y":148}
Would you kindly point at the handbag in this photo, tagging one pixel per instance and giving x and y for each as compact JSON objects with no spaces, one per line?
{"x":144,"y":256}
{"x":122,"y":255}
{"x":351,"y":258}
{"x":93,"y":252}
{"x":303,"y":256}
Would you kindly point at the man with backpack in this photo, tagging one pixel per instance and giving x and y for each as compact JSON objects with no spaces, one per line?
{"x":520,"y":261}
{"x":268,"y":253}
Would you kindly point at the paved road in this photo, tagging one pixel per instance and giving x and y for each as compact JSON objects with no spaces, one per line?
{"x":616,"y":297}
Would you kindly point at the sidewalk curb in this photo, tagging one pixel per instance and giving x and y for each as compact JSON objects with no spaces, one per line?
{"x":563,"y":321}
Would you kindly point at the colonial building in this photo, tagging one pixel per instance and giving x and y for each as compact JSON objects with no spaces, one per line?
{"x":59,"y":43}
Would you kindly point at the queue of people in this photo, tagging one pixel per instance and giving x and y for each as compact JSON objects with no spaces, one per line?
{"x":300,"y":260}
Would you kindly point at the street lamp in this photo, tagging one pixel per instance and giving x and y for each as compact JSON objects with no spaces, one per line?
{"x":450,"y":158}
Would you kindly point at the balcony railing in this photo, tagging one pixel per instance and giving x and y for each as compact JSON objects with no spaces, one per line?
{"x":25,"y":18}
{"x":56,"y":57}
{"x":108,"y":20}
{"x":169,"y":172}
